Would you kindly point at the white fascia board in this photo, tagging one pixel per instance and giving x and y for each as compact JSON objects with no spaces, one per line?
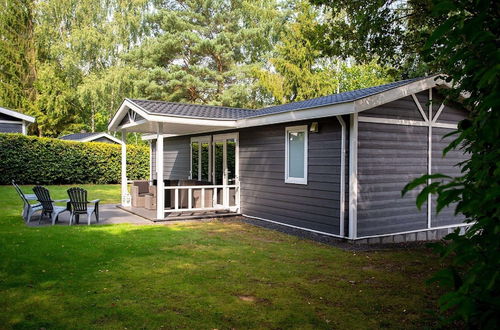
{"x":148,"y":137}
{"x":297,"y":115}
{"x":127,"y":104}
{"x":16,"y":114}
{"x":376,"y":100}
{"x":98,"y":136}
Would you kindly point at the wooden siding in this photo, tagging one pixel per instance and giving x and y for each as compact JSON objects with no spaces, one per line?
{"x":176,"y":158}
{"x":445,"y":165}
{"x":11,"y":128}
{"x":389,"y":156}
{"x":264,"y":192}
{"x":404,"y":108}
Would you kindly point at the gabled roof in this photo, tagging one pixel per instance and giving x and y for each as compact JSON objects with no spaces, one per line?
{"x":17,"y":115}
{"x":182,"y":118}
{"x":227,"y":113}
{"x":88,"y":137}
{"x":192,"y":110}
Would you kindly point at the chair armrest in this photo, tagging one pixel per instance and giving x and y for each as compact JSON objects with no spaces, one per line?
{"x":61,"y":200}
{"x":95,"y":201}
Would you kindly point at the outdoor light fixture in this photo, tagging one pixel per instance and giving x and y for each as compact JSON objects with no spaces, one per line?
{"x":314,"y":127}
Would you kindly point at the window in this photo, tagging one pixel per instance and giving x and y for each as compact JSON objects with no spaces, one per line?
{"x":200,"y":158}
{"x":296,"y":154}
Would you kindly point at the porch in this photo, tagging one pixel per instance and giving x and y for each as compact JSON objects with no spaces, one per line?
{"x":206,"y":187}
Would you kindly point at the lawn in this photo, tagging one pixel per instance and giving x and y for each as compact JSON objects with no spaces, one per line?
{"x":207,"y":275}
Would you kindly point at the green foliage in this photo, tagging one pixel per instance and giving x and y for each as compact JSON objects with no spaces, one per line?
{"x":298,"y":69}
{"x":30,"y":160}
{"x":465,"y":46}
{"x":17,"y":54}
{"x":198,"y":275}
{"x":391,"y":31}
{"x":202,"y":49}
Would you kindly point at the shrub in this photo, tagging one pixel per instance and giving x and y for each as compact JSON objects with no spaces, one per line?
{"x":33,"y":160}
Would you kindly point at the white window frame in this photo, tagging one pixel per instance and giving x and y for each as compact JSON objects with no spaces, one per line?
{"x":296,"y":129}
{"x":200,"y":140}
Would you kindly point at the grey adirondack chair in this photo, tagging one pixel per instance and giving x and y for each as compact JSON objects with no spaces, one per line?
{"x":48,"y":205}
{"x":80,"y":205}
{"x":28,"y":208}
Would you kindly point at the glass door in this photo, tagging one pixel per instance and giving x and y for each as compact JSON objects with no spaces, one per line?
{"x":225,"y":160}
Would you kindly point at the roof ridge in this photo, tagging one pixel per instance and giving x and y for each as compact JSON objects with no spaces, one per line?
{"x":193,"y":104}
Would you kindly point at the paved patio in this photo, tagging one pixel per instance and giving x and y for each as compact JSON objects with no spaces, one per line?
{"x":108,"y":214}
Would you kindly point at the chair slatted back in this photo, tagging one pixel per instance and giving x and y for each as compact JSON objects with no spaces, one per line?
{"x":19,"y":191}
{"x":43,"y":196}
{"x":78,"y":199}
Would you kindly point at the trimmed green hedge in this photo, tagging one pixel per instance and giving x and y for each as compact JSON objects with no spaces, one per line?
{"x":33,"y":160}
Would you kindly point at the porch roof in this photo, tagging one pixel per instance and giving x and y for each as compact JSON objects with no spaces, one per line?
{"x":182,"y":118}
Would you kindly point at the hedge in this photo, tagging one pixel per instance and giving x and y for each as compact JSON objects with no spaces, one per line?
{"x":33,"y":160}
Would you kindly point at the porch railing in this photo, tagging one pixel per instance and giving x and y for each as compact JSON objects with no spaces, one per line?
{"x":218,"y":202}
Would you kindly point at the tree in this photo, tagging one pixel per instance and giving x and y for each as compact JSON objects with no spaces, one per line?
{"x":17,"y":55}
{"x":392,"y":31}
{"x":465,"y":47}
{"x":202,"y":49}
{"x":298,"y":70}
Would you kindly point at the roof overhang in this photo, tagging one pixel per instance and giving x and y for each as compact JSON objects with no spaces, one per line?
{"x":101,"y":135}
{"x":174,"y":125}
{"x":15,"y":114}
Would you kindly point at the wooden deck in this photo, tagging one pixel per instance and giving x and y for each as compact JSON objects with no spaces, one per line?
{"x":175,"y":216}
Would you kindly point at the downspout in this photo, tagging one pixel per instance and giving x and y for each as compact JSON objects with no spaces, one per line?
{"x":342,"y":174}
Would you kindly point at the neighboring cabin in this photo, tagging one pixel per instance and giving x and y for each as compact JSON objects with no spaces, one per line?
{"x":14,"y":122}
{"x":91,"y":137}
{"x":333,"y":165}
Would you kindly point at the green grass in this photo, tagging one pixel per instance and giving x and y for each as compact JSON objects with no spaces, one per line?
{"x":206,"y":275}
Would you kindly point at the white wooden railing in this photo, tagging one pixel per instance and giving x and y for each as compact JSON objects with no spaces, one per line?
{"x":225,"y":205}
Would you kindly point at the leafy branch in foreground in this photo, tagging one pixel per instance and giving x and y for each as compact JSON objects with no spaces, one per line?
{"x":465,"y":46}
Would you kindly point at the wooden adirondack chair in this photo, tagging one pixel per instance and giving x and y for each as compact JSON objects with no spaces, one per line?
{"x":80,"y":205}
{"x":28,"y":208}
{"x":48,"y":205}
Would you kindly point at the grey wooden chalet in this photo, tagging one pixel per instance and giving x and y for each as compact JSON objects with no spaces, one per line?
{"x":91,"y":137}
{"x":14,"y":122}
{"x":333,"y":165}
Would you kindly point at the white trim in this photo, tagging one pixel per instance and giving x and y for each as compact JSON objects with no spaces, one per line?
{"x":445,"y":125}
{"x":296,"y":129}
{"x":128,"y":104}
{"x":353,"y":176}
{"x":296,"y":115}
{"x":292,"y":226}
{"x":133,"y":124}
{"x":124,"y":189}
{"x":419,"y":106}
{"x":392,"y":121}
{"x":396,"y":93}
{"x":100,"y":135}
{"x":441,"y":107}
{"x":416,"y":231}
{"x":14,"y":122}
{"x":16,"y":114}
{"x":146,"y":137}
{"x":160,"y":186}
{"x":150,"y":160}
{"x":342,"y":175}
{"x":23,"y":129}
{"x":429,"y":162}
{"x":200,"y":140}
{"x":287,"y":116}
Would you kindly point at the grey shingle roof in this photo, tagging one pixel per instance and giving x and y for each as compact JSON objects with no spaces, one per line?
{"x":192,"y":110}
{"x":226,"y":113}
{"x":77,"y":136}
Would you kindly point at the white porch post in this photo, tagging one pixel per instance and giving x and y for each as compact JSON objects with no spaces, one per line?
{"x":160,"y":187}
{"x":125,"y":194}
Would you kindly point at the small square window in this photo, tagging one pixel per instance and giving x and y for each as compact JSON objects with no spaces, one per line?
{"x":296,"y":154}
